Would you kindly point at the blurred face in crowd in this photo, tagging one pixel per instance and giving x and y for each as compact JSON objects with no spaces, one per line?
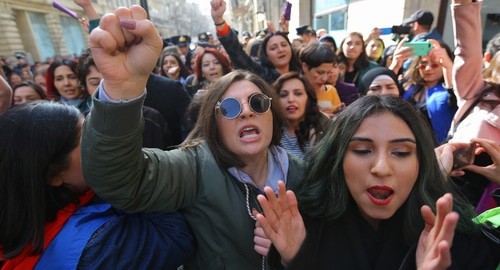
{"x":352,"y":47}
{"x":279,"y":51}
{"x":26,"y":75}
{"x":93,"y":79}
{"x":171,"y":67}
{"x":374,"y":49}
{"x":211,"y":68}
{"x":317,"y":76}
{"x":430,"y":70}
{"x":334,"y":75}
{"x":381,"y":166}
{"x":293,"y":99}
{"x":40,"y":79}
{"x":24,"y":94}
{"x":183,"y":50}
{"x":383,"y":85}
{"x":66,"y":83}
{"x":15,"y":79}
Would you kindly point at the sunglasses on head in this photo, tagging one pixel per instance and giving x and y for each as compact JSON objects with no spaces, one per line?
{"x":231,"y":107}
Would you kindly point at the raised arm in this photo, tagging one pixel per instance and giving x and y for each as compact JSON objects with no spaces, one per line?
{"x":468,"y":63}
{"x":125,"y":47}
{"x":239,"y":58}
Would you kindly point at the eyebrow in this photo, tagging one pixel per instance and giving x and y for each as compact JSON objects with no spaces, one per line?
{"x":398,"y":140}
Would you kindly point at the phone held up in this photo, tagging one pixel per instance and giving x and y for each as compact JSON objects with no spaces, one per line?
{"x":287,"y":10}
{"x":420,"y":48}
{"x":464,"y":156}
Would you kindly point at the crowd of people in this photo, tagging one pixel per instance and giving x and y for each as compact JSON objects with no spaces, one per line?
{"x":253,"y":152}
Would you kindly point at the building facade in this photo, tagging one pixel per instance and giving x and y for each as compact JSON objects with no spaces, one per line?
{"x":36,"y":28}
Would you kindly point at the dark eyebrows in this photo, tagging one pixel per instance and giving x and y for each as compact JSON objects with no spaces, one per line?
{"x":399,"y":140}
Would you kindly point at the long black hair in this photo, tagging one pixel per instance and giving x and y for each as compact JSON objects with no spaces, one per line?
{"x":35,"y":143}
{"x":324,"y":192}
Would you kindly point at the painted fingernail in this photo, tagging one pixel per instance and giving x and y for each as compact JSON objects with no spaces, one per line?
{"x":128,"y":24}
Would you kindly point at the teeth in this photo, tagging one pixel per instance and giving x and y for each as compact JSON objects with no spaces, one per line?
{"x":249,"y":136}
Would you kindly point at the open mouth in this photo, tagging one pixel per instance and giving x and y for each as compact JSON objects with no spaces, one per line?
{"x":249,"y":133}
{"x":380,"y":195}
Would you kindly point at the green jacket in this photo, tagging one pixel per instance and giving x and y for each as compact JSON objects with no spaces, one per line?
{"x":136,"y":179}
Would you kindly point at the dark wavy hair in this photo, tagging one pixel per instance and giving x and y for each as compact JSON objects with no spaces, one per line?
{"x":316,"y":54}
{"x":264,"y":58}
{"x":324,"y":192}
{"x":84,"y":63}
{"x":33,"y":85}
{"x":311,"y":114}
{"x":49,"y":76}
{"x":206,"y":127}
{"x":35,"y":144}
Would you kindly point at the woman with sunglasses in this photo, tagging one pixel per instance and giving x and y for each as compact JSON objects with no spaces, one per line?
{"x":214,"y":177}
{"x":276,"y":56}
{"x":428,"y":85}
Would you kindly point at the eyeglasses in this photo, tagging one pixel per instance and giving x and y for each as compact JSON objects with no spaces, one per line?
{"x":424,"y":65}
{"x":231,"y":107}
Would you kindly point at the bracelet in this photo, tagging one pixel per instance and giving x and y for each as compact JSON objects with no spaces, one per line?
{"x":220,"y":24}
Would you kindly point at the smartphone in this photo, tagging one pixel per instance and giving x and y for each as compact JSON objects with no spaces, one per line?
{"x":287,"y":10}
{"x":464,"y":156}
{"x":420,"y":48}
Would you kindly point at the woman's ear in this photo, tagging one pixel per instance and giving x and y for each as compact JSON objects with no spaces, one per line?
{"x":305,"y":67}
{"x":57,"y":181}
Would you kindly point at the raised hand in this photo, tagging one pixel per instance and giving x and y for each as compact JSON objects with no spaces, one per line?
{"x":400,"y":55}
{"x":282,"y":221}
{"x":492,"y":172}
{"x":433,"y":251}
{"x":284,"y":24}
{"x":218,"y":9}
{"x":125,"y":48}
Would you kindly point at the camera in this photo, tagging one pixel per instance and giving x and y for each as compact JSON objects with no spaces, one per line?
{"x":401,"y":29}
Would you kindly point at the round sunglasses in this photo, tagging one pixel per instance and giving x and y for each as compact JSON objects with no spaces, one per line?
{"x":231,"y":107}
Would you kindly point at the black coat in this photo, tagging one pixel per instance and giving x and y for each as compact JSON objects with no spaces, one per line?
{"x":351,"y":243}
{"x":171,"y":101}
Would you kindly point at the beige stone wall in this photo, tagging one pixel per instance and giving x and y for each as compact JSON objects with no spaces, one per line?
{"x":17,"y":31}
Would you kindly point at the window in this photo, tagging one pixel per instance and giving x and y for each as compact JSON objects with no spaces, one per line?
{"x":73,"y":36}
{"x":41,"y":35}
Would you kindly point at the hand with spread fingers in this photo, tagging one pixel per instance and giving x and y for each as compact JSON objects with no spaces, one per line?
{"x":433,"y":250}
{"x":125,"y":48}
{"x":282,"y":221}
